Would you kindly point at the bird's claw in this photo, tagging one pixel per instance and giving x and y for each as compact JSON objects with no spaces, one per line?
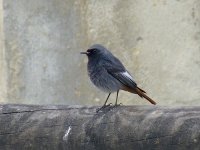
{"x":116,"y":105}
{"x":103,"y":107}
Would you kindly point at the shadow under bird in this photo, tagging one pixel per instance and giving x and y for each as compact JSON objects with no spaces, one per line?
{"x":108,"y":74}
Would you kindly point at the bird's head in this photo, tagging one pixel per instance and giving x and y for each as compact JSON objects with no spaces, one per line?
{"x":95,"y":51}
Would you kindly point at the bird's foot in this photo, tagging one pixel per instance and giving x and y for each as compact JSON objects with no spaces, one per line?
{"x":116,"y":105}
{"x":103,"y":107}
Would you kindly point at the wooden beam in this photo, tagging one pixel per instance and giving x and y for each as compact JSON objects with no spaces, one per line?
{"x":81,"y":128}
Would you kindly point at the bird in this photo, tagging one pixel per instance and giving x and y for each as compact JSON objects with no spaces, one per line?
{"x":109,"y":75}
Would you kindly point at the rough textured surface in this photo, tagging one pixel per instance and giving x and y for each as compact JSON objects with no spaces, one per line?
{"x":3,"y":70}
{"x":158,"y":41}
{"x":80,"y":128}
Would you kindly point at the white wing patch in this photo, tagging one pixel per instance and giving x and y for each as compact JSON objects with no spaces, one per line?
{"x":126,"y":74}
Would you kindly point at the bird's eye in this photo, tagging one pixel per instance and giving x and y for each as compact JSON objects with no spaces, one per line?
{"x":91,"y":50}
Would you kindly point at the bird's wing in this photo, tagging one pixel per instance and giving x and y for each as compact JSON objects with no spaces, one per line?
{"x":115,"y":68}
{"x":123,"y":76}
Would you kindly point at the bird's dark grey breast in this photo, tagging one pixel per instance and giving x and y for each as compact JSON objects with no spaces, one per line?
{"x":97,"y":71}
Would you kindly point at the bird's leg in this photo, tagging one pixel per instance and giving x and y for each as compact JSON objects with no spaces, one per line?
{"x":117,"y":99}
{"x":104,"y":105}
{"x":107,"y":100}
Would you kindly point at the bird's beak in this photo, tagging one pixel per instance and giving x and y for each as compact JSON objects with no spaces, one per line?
{"x":84,"y":53}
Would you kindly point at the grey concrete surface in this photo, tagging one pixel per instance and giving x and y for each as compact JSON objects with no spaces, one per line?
{"x":158,"y":41}
{"x":3,"y":71}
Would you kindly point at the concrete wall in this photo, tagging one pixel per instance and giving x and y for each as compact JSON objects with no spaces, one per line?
{"x":158,"y":41}
{"x":3,"y":87}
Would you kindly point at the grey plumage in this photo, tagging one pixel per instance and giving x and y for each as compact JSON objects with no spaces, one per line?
{"x":100,"y":65}
{"x":108,"y":74}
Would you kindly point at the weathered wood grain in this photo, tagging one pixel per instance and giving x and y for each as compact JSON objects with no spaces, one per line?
{"x":81,"y":128}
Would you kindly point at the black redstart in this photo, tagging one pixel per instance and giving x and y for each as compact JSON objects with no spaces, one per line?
{"x":108,"y":74}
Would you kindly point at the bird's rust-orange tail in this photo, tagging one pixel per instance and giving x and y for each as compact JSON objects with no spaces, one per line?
{"x":140,"y":92}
